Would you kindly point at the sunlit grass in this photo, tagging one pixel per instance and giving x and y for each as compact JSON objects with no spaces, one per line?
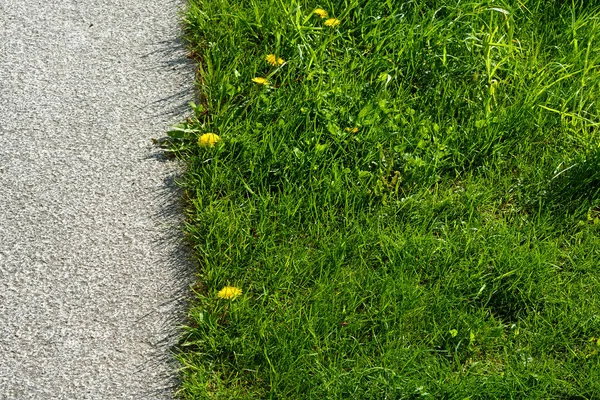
{"x":406,"y":195}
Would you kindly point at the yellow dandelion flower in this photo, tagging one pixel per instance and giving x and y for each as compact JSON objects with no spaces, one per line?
{"x":229,"y":293}
{"x":332,"y":22}
{"x":321,"y":13}
{"x":260,"y":81}
{"x":274,"y":60}
{"x":352,"y":130}
{"x":208,"y":140}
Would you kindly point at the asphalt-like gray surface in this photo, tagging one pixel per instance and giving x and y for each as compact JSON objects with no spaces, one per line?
{"x":92,"y":273}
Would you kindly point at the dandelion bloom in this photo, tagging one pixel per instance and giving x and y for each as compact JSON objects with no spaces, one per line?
{"x":229,"y":292}
{"x":260,"y":81}
{"x":208,"y":140}
{"x":274,"y":60}
{"x":321,"y":13}
{"x":332,"y":22}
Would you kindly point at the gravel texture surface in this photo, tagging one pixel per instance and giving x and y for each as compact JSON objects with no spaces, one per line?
{"x":93,"y":277}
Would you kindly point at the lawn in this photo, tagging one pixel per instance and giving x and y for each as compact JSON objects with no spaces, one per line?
{"x":393,"y":200}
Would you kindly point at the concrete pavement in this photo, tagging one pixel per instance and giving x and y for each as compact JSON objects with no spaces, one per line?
{"x":92,"y":272}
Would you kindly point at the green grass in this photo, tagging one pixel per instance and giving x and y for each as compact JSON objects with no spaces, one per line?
{"x":448,"y":248}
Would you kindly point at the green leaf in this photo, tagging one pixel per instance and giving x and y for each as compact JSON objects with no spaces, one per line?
{"x":333,"y":128}
{"x":181,"y":133}
{"x":481,"y":123}
{"x":320,"y":147}
{"x":176,"y":134}
{"x":365,"y":111}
